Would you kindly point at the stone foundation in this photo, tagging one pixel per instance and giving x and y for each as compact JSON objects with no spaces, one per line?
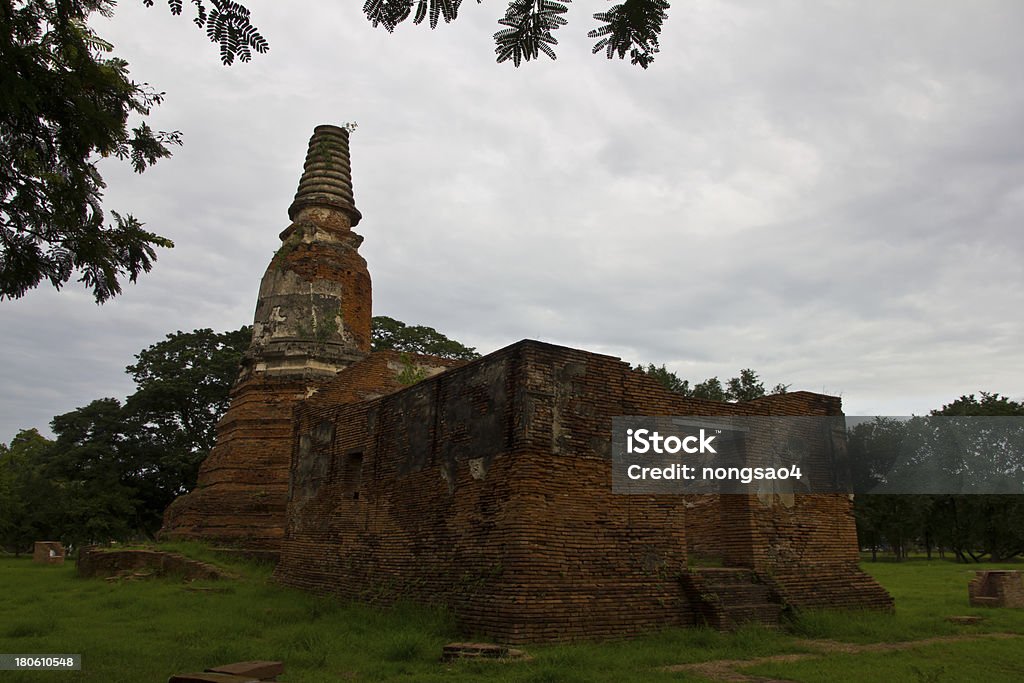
{"x":996,"y":588}
{"x":97,"y":561}
{"x":48,"y":552}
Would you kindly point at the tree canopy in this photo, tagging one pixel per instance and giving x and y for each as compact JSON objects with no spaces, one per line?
{"x":65,"y":102}
{"x":631,"y":27}
{"x":227,"y":24}
{"x":28,"y":509}
{"x":388,"y":333}
{"x":989,"y":404}
{"x":114,"y":467}
{"x":972,"y":527}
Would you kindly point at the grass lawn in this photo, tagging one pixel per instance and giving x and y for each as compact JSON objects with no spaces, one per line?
{"x":148,"y":629}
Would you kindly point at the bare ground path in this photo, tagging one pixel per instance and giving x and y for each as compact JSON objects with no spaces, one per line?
{"x":728,"y":669}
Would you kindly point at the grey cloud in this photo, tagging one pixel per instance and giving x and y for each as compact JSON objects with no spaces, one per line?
{"x":828,"y":193}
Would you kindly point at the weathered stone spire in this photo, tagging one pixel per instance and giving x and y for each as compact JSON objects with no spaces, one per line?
{"x":313,"y":313}
{"x":327,"y":175}
{"x":312,"y":320}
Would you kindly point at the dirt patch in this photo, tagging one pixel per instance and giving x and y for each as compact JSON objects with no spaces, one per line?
{"x":728,"y":669}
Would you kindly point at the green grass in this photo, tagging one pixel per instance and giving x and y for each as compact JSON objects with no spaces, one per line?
{"x":147,"y":630}
{"x":926,"y":593}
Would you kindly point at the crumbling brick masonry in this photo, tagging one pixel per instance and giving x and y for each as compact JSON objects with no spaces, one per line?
{"x":488,"y":489}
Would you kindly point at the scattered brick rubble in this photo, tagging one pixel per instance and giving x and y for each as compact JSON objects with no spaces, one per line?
{"x":996,"y":588}
{"x":134,"y":564}
{"x":48,"y":552}
{"x":965,"y":620}
{"x":453,"y":651}
{"x":239,"y":672}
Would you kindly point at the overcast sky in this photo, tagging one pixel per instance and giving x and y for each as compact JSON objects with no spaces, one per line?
{"x":830,"y":193}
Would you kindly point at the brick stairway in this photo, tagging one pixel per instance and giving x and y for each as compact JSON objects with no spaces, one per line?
{"x":726,"y":598}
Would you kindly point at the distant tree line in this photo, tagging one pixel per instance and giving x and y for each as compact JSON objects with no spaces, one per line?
{"x":115,"y":466}
{"x":746,"y":387}
{"x":388,"y":333}
{"x":971,"y":528}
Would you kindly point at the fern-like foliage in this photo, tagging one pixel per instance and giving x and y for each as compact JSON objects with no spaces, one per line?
{"x":633,"y":27}
{"x":530,"y":23}
{"x":387,"y":13}
{"x":391,"y":13}
{"x":227,"y":24}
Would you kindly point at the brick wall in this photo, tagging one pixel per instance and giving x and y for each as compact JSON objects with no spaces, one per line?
{"x":488,"y":488}
{"x":240,"y":496}
{"x":48,"y":552}
{"x":996,"y":588}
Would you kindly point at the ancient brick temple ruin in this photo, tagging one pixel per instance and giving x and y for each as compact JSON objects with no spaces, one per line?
{"x":485,"y":486}
{"x":312,"y":320}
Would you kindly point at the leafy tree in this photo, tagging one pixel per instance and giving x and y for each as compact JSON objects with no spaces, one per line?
{"x":114,"y":468}
{"x":898,"y":520}
{"x":976,"y":526}
{"x":882,"y":520}
{"x":710,"y":389}
{"x":227,"y":24}
{"x":28,"y":499}
{"x":88,"y":466}
{"x":59,"y":492}
{"x":973,"y":527}
{"x":666,"y":378}
{"x":631,"y":27}
{"x":182,"y":385}
{"x":634,"y":27}
{"x":988,"y":404}
{"x":746,"y":387}
{"x":65,"y":102}
{"x":873,"y":449}
{"x":388,"y":333}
